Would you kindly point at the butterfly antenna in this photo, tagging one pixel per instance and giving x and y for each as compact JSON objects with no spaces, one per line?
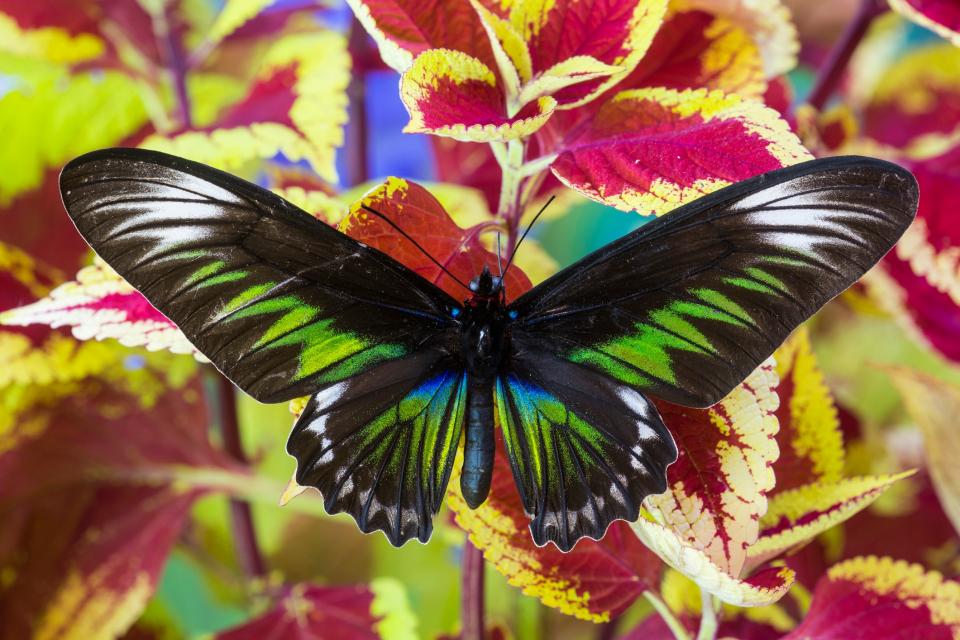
{"x":416,"y":244}
{"x":499,"y":253}
{"x":529,"y":226}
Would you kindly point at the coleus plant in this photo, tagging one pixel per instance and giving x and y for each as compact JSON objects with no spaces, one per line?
{"x":638,"y":105}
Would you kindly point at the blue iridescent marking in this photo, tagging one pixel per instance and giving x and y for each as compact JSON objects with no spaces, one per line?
{"x":455,"y":312}
{"x":513,"y":315}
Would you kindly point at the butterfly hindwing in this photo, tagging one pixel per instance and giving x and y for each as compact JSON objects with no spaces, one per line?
{"x":381,"y":445}
{"x":281,"y":303}
{"x":687,"y":306}
{"x":585,"y":450}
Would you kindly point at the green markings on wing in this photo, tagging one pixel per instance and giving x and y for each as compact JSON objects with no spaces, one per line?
{"x":646,"y":357}
{"x":543,"y":417}
{"x":431,"y":416}
{"x":325,"y":352}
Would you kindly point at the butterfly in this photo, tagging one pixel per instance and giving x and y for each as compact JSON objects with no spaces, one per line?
{"x":399,"y":372}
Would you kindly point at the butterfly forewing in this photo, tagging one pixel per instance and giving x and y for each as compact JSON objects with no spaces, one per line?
{"x":687,"y":306}
{"x":286,"y":306}
{"x":281,"y":303}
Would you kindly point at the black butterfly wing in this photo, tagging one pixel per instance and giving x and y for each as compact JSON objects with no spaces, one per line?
{"x":381,"y":445}
{"x":687,"y":306}
{"x":281,"y":303}
{"x":285,"y":306}
{"x":585,"y":449}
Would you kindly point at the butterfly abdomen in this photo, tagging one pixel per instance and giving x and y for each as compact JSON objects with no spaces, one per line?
{"x":478,"y":444}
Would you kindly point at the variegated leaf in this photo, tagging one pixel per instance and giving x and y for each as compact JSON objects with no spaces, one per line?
{"x":718,"y":486}
{"x":99,"y":305}
{"x":697,"y":49}
{"x":915,"y":104}
{"x":872,"y":598}
{"x":651,"y":150}
{"x":797,"y":515}
{"x":810,"y":441}
{"x":768,"y":22}
{"x":940,"y":16}
{"x":453,"y":94}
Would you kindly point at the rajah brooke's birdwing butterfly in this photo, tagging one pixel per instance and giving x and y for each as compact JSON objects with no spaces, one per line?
{"x":682,"y":309}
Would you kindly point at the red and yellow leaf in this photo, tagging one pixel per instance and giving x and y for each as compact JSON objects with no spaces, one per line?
{"x":420,"y":214}
{"x":932,"y":243}
{"x":450,"y":93}
{"x":928,"y":315}
{"x":762,"y":588}
{"x":768,"y":22}
{"x":916,"y":102}
{"x":403,"y":29}
{"x":810,"y":440}
{"x":610,"y":34}
{"x":872,"y":598}
{"x":934,"y":406}
{"x":309,"y":611}
{"x":940,"y":16}
{"x":718,"y":486}
{"x":651,"y":150}
{"x":697,"y":49}
{"x":796,"y":516}
{"x":99,"y":305}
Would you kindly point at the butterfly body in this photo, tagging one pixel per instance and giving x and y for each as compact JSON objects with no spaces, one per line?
{"x":399,"y":372}
{"x":484,"y":342}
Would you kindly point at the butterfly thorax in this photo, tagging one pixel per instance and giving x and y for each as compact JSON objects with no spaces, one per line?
{"x":482,"y":326}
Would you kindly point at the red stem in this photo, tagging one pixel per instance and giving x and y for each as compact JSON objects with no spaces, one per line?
{"x":355,"y":146}
{"x":177,"y":62}
{"x":244,"y":535}
{"x":471,"y":593}
{"x":608,"y":629}
{"x":832,"y":71}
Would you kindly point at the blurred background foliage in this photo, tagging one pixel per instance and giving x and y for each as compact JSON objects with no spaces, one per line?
{"x":265,"y":90}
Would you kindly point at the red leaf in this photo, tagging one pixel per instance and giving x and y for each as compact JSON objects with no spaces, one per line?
{"x":309,"y":612}
{"x":91,"y":509}
{"x":918,"y":96}
{"x":872,"y":598}
{"x":419,"y":214}
{"x":36,"y":223}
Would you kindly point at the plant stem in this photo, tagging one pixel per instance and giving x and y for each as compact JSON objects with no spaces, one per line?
{"x":708,"y":617}
{"x":471,"y":593}
{"x":355,"y":146}
{"x":678,"y":630}
{"x":608,"y":630}
{"x":177,"y":62}
{"x":832,"y":71}
{"x":244,"y":535}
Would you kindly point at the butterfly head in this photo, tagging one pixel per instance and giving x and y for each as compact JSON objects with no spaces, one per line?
{"x":486,"y":285}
